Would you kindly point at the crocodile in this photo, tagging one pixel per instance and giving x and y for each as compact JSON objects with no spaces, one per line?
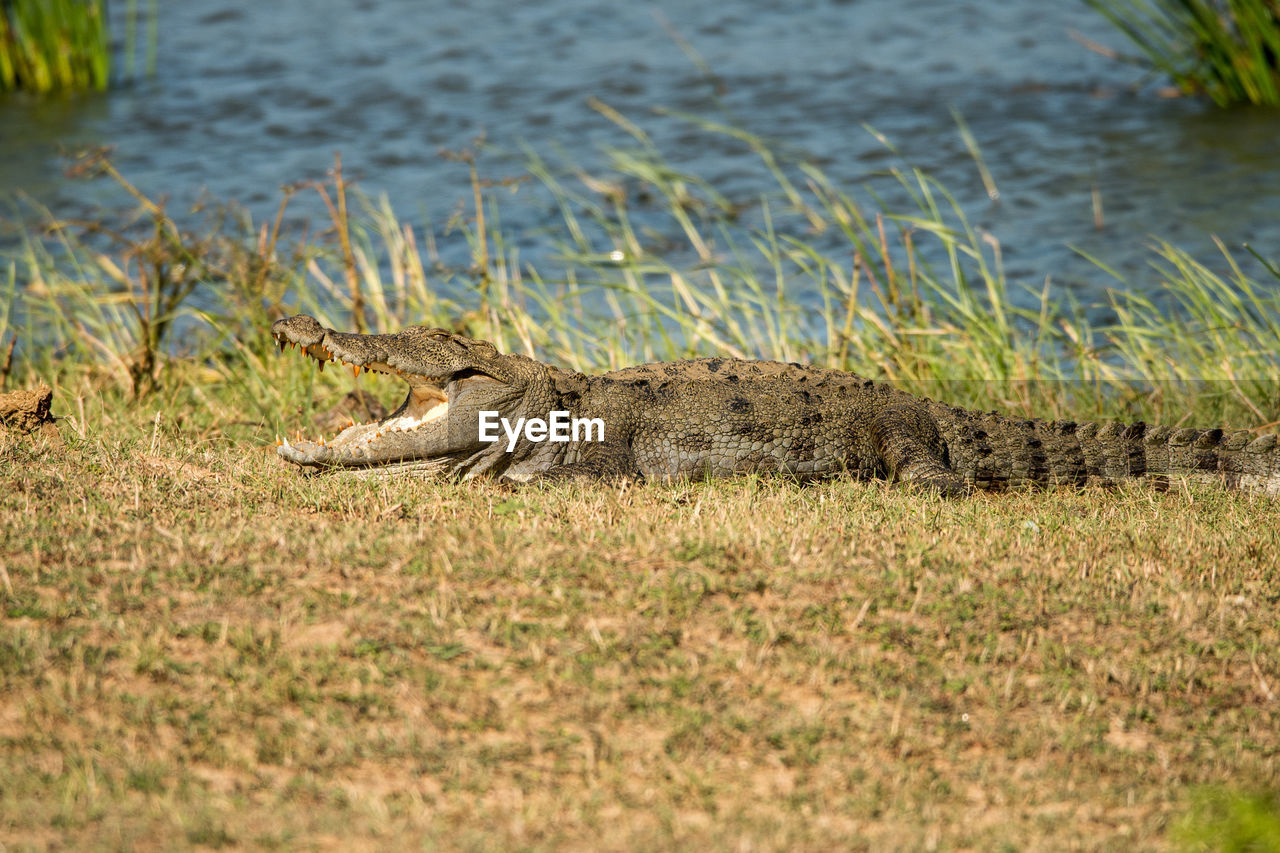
{"x":717,"y":417}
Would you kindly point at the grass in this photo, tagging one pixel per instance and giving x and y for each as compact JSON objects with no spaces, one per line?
{"x":889,"y":280}
{"x":1224,"y":819}
{"x":1228,"y":50}
{"x":204,"y":648}
{"x":64,"y":45}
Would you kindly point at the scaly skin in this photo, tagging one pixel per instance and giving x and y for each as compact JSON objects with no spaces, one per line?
{"x":720,"y":417}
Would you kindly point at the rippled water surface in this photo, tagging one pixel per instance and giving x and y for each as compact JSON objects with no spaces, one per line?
{"x":253,"y":95}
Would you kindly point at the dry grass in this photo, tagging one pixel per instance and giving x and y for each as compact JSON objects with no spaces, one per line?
{"x":202,"y":648}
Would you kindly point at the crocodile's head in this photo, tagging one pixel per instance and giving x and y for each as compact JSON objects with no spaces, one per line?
{"x":451,"y":379}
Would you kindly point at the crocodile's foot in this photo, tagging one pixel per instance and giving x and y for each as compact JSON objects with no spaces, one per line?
{"x":945,"y":484}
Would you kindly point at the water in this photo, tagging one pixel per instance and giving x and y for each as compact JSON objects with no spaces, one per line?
{"x":250,"y":96}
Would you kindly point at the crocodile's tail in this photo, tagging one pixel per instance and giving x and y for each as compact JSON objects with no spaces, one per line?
{"x":990,"y":451}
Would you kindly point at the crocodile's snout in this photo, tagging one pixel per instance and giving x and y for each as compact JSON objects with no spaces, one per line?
{"x":303,"y":330}
{"x":392,"y":438}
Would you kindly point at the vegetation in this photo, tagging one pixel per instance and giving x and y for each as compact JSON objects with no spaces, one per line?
{"x":1229,"y":820}
{"x":201,"y":648}
{"x":1226,"y":49}
{"x":654,"y":264}
{"x":63,"y":45}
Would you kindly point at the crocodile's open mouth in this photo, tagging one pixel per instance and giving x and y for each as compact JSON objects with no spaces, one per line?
{"x":427,"y":403}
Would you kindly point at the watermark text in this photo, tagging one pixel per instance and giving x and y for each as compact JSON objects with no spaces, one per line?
{"x":559,"y":426}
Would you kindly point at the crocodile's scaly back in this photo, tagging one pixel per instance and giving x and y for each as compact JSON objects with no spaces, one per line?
{"x":720,"y":417}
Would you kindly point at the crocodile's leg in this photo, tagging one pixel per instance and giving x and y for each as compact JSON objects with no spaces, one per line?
{"x":912,"y":450}
{"x":599,"y":461}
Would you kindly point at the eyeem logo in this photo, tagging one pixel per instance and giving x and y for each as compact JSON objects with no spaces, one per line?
{"x":560,"y":427}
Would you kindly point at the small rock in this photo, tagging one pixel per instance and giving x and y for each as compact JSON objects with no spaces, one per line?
{"x":27,"y":410}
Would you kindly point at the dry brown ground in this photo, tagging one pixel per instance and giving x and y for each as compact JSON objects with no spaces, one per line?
{"x":200,"y":647}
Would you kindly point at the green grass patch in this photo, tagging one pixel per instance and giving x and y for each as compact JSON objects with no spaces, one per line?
{"x":1228,"y":819}
{"x":64,"y":45}
{"x":1228,"y":50}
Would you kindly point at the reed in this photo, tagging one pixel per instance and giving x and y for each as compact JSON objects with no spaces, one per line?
{"x":64,"y":45}
{"x":1228,"y":50}
{"x":888,"y":279}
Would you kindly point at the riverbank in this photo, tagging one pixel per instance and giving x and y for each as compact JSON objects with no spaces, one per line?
{"x":203,"y":647}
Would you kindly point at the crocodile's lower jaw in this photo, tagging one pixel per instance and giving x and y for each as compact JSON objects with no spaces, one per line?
{"x":363,"y":444}
{"x":409,"y":467}
{"x":425,"y":406}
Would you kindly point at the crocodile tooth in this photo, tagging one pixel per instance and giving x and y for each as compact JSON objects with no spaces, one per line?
{"x":355,"y":371}
{"x":321,"y":363}
{"x":283,"y":343}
